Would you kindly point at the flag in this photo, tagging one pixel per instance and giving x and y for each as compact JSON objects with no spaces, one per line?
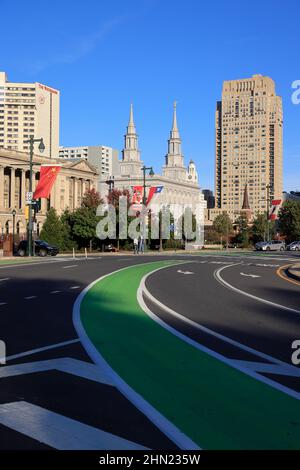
{"x":153,"y":190}
{"x":137,"y":197}
{"x":48,"y":176}
{"x":276,"y":203}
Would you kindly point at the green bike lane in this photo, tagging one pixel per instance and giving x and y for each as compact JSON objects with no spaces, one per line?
{"x":214,"y":404}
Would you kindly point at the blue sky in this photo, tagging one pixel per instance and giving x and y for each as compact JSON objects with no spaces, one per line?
{"x":104,"y":54}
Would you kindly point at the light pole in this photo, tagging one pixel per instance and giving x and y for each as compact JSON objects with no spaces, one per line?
{"x":31,"y":143}
{"x":151,"y":173}
{"x":111,"y":184}
{"x":14,"y":220}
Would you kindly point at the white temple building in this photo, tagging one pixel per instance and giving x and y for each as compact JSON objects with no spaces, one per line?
{"x":180,"y":183}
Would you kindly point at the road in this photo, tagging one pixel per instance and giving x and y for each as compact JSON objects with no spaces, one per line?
{"x":235,"y":309}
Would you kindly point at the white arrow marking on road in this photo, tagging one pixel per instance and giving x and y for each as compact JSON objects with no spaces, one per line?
{"x":59,"y":431}
{"x":184,"y":272}
{"x":249,"y":275}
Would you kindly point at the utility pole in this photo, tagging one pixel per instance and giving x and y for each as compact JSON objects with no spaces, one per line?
{"x":31,"y":143}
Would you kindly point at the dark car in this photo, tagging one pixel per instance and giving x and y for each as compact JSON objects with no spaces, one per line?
{"x":41,"y":248}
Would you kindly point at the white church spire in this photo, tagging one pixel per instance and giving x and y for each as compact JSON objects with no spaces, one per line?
{"x":174,"y":167}
{"x":174,"y":132}
{"x":131,"y":161}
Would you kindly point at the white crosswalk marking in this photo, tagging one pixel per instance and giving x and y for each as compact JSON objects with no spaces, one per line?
{"x":59,"y":431}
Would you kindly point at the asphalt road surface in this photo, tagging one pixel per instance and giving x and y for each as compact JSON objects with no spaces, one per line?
{"x":53,"y":396}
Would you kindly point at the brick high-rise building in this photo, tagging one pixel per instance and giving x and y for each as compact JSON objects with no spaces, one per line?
{"x":248,"y":145}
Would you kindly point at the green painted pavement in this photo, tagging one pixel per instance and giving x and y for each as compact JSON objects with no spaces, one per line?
{"x":217,"y":406}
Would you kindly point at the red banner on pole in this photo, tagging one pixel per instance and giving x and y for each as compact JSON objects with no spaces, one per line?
{"x":48,"y":176}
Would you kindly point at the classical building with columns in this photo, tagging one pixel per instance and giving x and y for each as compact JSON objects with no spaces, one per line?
{"x":72,"y":182}
{"x":180,"y":183}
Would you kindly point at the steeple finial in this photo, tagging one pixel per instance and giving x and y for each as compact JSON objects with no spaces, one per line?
{"x":131,"y":122}
{"x":131,"y":125}
{"x":175,"y":131}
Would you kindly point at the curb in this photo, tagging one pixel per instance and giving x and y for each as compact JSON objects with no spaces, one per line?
{"x":293,"y":271}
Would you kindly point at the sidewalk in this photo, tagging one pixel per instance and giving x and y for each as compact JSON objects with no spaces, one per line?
{"x":294,"y":271}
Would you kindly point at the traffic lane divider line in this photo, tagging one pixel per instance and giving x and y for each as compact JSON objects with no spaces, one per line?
{"x":210,"y":332}
{"x":42,"y":349}
{"x":229,"y":286}
{"x":163,"y":424}
{"x":205,"y":398}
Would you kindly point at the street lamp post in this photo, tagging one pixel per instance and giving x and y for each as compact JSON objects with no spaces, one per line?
{"x":31,"y":143}
{"x":14,"y":220}
{"x":151,"y":173}
{"x":111,"y":184}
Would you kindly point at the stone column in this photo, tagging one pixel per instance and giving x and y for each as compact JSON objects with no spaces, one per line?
{"x":23,"y":190}
{"x":12,"y":188}
{"x":75,"y":193}
{"x":1,"y":187}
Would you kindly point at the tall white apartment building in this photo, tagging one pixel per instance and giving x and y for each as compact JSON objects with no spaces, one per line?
{"x":28,"y":109}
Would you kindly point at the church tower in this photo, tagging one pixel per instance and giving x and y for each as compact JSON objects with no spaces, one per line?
{"x":174,"y":167}
{"x":131,"y":158}
{"x":192,"y":172}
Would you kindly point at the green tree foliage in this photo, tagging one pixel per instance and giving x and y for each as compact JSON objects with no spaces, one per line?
{"x":222,"y":225}
{"x":242,"y":237}
{"x":53,"y":230}
{"x":289,"y":220}
{"x":261,"y":227}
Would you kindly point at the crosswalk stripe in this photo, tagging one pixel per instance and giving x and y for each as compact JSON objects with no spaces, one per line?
{"x":58,"y":431}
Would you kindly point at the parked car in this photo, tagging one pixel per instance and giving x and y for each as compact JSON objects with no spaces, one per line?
{"x":294,"y":246}
{"x":273,"y":245}
{"x":41,"y":248}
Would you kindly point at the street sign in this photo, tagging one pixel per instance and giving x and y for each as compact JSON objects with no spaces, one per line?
{"x":28,"y":197}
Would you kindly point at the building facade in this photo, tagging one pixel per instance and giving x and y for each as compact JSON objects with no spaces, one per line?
{"x":249,"y":129}
{"x":180,"y":183}
{"x":74,"y":179}
{"x":103,"y":158}
{"x":28,"y":109}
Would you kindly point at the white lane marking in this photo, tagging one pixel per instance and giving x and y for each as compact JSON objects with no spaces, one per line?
{"x":30,"y":297}
{"x":71,"y":266}
{"x":162,"y":423}
{"x":5,"y":279}
{"x":249,"y":275}
{"x":43,"y":348}
{"x":218,"y":262}
{"x":219,"y":278}
{"x":220,"y":357}
{"x":271,"y":368}
{"x":32,"y":263}
{"x":55,"y":291}
{"x":68,"y":365}
{"x":184,"y":272}
{"x":59,"y":431}
{"x":75,"y":287}
{"x":3,"y":303}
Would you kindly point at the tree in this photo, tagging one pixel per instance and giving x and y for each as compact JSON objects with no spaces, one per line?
{"x":289,"y":220}
{"x":53,"y":230}
{"x":261,"y":228}
{"x":242,"y":237}
{"x":222,"y":225}
{"x":91,"y":199}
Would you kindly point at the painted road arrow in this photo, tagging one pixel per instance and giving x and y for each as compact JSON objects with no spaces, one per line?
{"x":184,"y":272}
{"x":249,"y":275}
